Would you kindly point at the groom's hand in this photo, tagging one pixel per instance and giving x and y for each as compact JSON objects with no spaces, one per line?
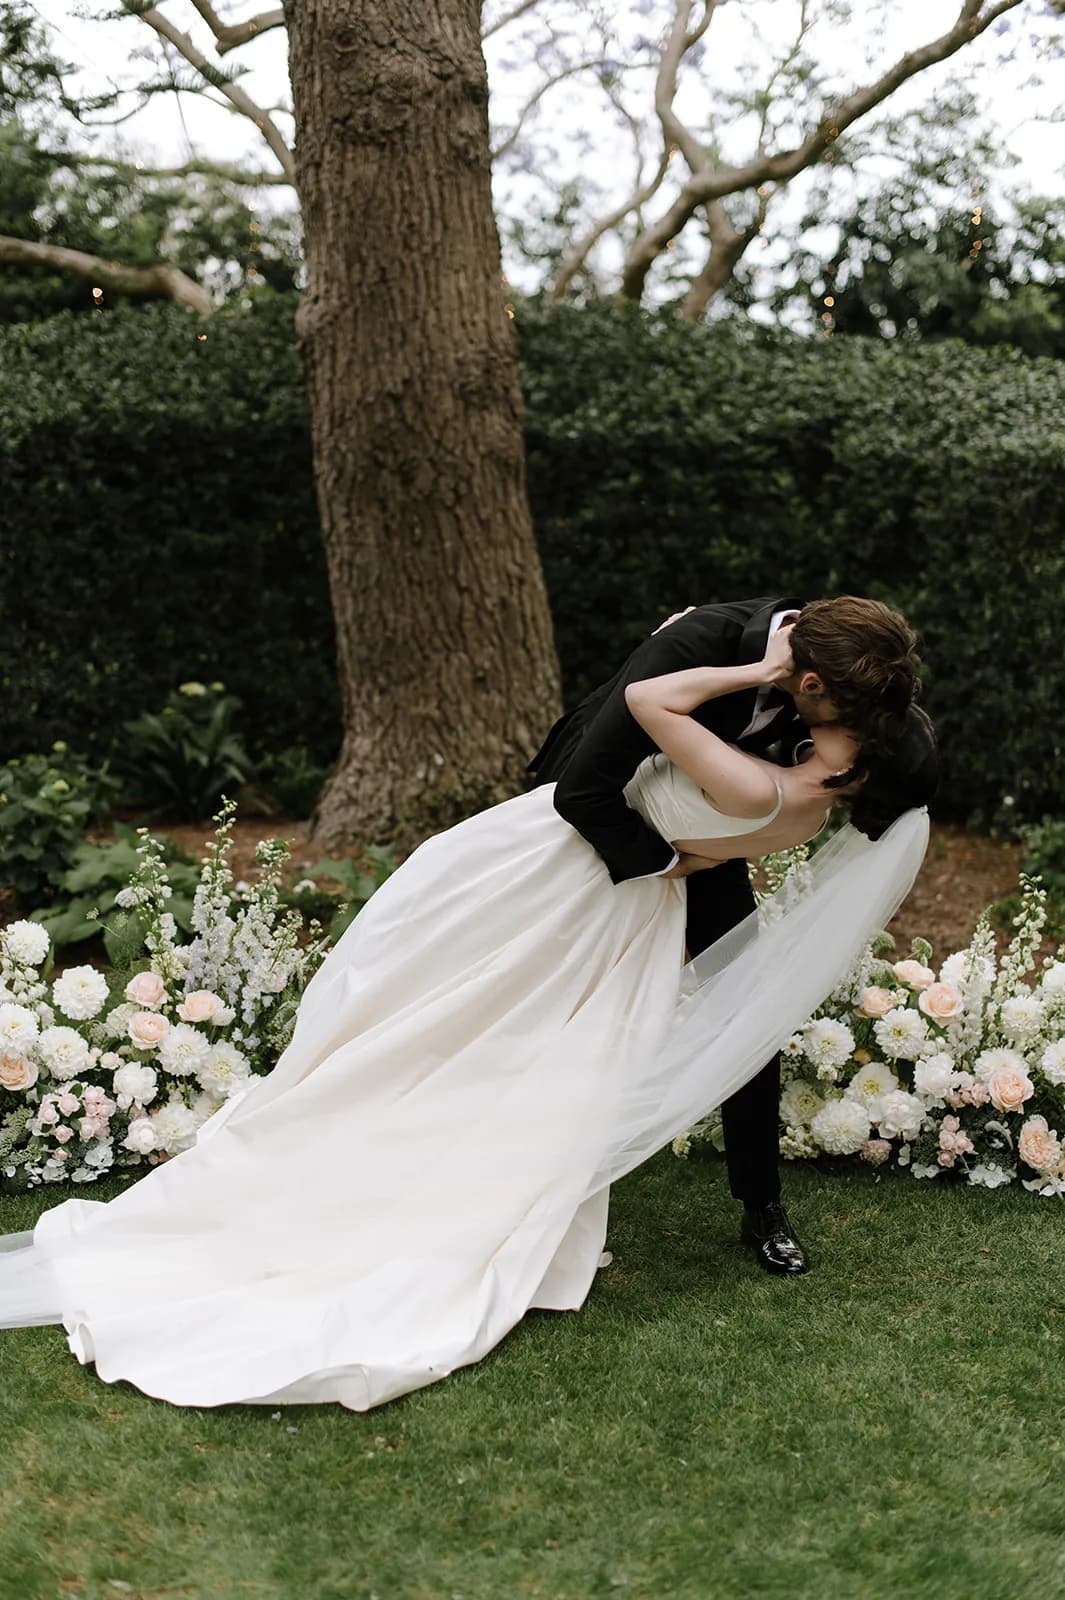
{"x":674,"y":618}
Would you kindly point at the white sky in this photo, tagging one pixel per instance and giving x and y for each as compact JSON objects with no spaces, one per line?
{"x":1019,"y":92}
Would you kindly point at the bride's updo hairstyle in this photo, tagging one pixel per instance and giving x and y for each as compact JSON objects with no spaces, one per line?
{"x":898,"y":777}
{"x":866,"y":656}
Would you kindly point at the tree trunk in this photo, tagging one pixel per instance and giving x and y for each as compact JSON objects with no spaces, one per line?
{"x":447,"y":664}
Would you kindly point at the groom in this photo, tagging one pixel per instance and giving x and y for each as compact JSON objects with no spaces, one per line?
{"x":855,"y":663}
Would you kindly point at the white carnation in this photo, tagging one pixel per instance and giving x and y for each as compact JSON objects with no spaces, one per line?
{"x":134,"y":1081}
{"x":174,"y":1126}
{"x":799,"y":1104}
{"x":989,"y":1061}
{"x":828,"y":1043}
{"x":225,"y":1071}
{"x":989,"y":1175}
{"x":141,"y":1136}
{"x":1022,"y":1017}
{"x":27,"y":943}
{"x":64,"y":1052}
{"x":80,"y":993}
{"x":1052,"y":1062}
{"x":841,"y":1127}
{"x":899,"y":1115}
{"x":870,"y":1082}
{"x":18,"y":1029}
{"x":935,"y":1076}
{"x":184,"y":1050}
{"x":901,"y":1033}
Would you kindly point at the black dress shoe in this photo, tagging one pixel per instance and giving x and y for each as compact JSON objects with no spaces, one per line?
{"x":770,"y":1235}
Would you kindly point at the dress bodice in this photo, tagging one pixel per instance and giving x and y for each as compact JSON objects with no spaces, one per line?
{"x":675,"y":806}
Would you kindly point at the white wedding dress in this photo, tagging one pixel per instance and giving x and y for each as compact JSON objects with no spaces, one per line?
{"x":499,"y":1034}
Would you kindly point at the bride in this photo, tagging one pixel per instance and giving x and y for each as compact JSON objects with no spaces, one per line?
{"x":499,"y":1035}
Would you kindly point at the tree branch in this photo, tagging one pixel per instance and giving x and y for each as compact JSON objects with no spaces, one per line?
{"x":727,"y":245}
{"x":508,"y":17}
{"x":715,"y":183}
{"x":231,"y":35}
{"x":168,"y":283}
{"x":236,"y":96}
{"x":573,"y":263}
{"x":534,"y":100}
{"x":189,"y":169}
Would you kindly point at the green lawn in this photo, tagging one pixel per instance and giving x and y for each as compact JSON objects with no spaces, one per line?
{"x":890,"y":1426}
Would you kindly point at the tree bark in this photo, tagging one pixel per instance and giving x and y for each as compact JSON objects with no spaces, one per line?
{"x":447,"y":665}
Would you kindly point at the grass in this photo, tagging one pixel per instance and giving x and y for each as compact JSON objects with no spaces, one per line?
{"x":887,"y":1428}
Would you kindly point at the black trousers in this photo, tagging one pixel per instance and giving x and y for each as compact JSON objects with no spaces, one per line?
{"x":717,"y":900}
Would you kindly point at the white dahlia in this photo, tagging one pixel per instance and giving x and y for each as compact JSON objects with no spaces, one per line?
{"x":80,"y":993}
{"x":828,"y":1043}
{"x":184,"y":1050}
{"x":841,"y":1127}
{"x":64,"y":1052}
{"x":989,"y":1062}
{"x":1022,"y":1017}
{"x":18,"y":1029}
{"x":225,"y":1071}
{"x":27,"y":943}
{"x":901,"y":1033}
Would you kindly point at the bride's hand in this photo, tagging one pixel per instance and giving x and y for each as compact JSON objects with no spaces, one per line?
{"x":674,"y":618}
{"x":778,"y":660}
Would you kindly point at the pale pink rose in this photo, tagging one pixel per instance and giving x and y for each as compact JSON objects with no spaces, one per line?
{"x":1039,"y":1148}
{"x":913,"y":973}
{"x":17,"y":1073}
{"x":68,"y":1103}
{"x":946,"y":1158}
{"x":92,"y":1127}
{"x":978,"y":1093}
{"x":63,"y":1133}
{"x":59,"y":1155}
{"x":1008,"y":1089}
{"x":200,"y":1006}
{"x":876,"y":1151}
{"x":47,"y":1113}
{"x":875,"y":1002}
{"x":941,"y":1002}
{"x":146,"y":989}
{"x":146,"y":1029}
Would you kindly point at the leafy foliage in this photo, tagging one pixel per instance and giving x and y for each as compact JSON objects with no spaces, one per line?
{"x":183,"y":759}
{"x":92,"y":883}
{"x":46,"y":803}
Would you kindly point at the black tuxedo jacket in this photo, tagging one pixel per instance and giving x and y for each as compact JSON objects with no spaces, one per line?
{"x":592,"y":752}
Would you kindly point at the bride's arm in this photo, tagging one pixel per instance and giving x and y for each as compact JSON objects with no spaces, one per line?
{"x":734,"y":782}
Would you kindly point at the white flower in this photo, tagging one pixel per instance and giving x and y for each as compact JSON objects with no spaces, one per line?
{"x":135,"y":1082}
{"x":920,"y":1170}
{"x":841,"y":1127}
{"x":898,"y":1114}
{"x":141,"y":1136}
{"x":99,"y":1155}
{"x":796,"y":1144}
{"x":1022,"y":1016}
{"x":795,"y":1047}
{"x":27,"y":943}
{"x":953,"y":970}
{"x":799,"y":1104}
{"x":116,"y":1022}
{"x":184,"y":1050}
{"x":934,"y":1077}
{"x":1052,"y":1062}
{"x":1053,"y":979}
{"x":18,"y":1029}
{"x":989,"y":1175}
{"x":204,"y":1106}
{"x":870,"y":1082}
{"x":63,"y":1051}
{"x":174,"y":1126}
{"x":991,"y":1061}
{"x":80,"y":993}
{"x":828,"y":1043}
{"x":129,"y":897}
{"x":225,"y":1071}
{"x":901,"y":1033}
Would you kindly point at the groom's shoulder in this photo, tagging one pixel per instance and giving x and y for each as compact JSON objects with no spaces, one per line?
{"x":739,"y":613}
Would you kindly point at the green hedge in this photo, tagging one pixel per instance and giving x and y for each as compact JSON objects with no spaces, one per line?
{"x":157,"y":518}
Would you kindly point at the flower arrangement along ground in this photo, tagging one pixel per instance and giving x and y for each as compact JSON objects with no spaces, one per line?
{"x":956,"y":1073}
{"x":99,"y":1070}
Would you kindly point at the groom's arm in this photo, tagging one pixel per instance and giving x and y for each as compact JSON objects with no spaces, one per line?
{"x":589,"y":795}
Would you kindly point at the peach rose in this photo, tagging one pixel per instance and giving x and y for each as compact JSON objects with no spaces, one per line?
{"x":17,"y":1073}
{"x":875,"y":1002}
{"x":941,"y":1002}
{"x":146,"y":1029}
{"x":201,"y":1005}
{"x":913,"y":973}
{"x":1008,"y":1089}
{"x":1039,"y":1148}
{"x":146,"y":989}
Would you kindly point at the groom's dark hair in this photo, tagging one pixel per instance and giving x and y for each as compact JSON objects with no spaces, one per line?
{"x":866,"y":656}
